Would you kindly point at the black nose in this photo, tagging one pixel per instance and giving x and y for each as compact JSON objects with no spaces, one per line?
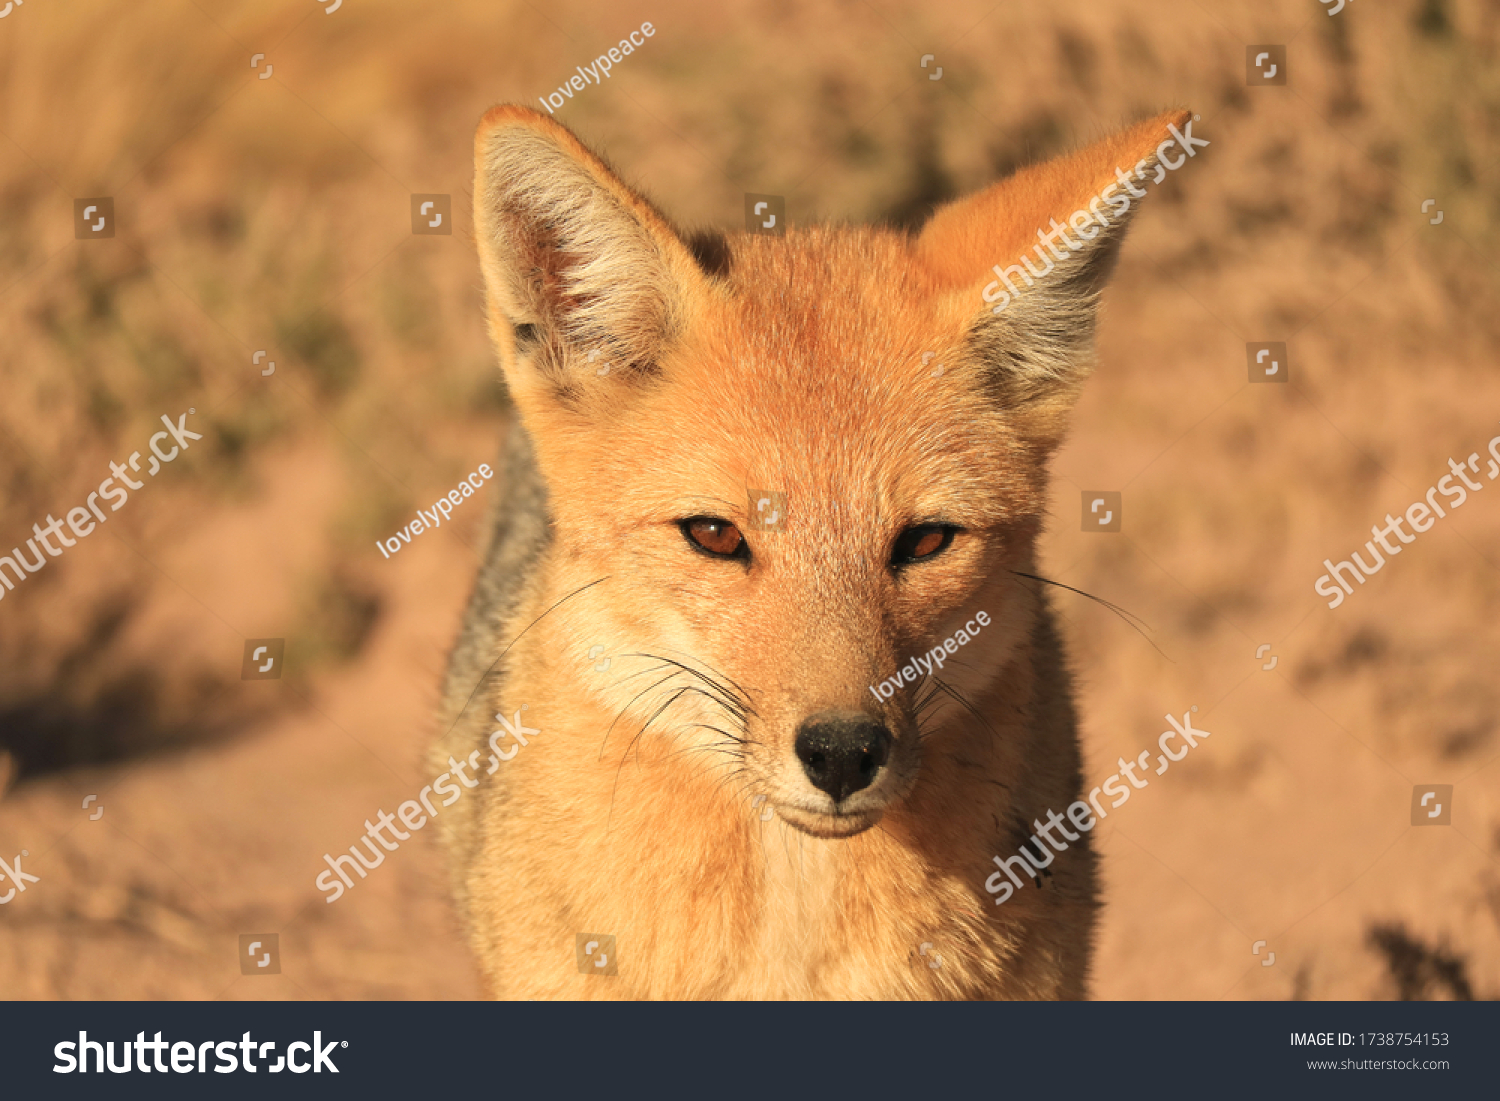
{"x":842,"y":752}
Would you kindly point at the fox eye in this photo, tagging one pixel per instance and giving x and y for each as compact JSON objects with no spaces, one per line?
{"x":713,"y":536}
{"x":922,"y":541}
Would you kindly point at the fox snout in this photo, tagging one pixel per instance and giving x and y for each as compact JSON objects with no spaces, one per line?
{"x":839,"y":772}
{"x":842,"y":752}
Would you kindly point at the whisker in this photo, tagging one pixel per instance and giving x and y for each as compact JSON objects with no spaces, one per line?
{"x":734,"y":703}
{"x":721,"y":696}
{"x":739,"y":688}
{"x":740,"y":693}
{"x":626,"y":708}
{"x":727,"y":749}
{"x":1130,"y":618}
{"x":717,"y":730}
{"x":654,"y":716}
{"x":969,"y":707}
{"x":490,"y":671}
{"x":738,"y":717}
{"x":639,"y":734}
{"x":737,"y":773}
{"x":1119,"y":611}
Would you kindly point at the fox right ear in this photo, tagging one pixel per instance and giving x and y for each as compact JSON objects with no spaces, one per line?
{"x":1026,"y":290}
{"x":587,"y":282}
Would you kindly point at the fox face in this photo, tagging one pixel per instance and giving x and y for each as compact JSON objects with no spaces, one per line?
{"x":814,"y":509}
{"x":784,"y":471}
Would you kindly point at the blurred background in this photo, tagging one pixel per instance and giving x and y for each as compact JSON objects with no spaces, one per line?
{"x":265,"y":206}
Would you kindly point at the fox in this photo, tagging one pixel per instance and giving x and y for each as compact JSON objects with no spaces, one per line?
{"x":751,"y":487}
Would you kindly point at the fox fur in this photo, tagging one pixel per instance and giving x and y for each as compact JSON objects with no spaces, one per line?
{"x":659,"y":377}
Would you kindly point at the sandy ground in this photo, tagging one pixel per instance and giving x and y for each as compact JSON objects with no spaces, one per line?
{"x":148,"y":900}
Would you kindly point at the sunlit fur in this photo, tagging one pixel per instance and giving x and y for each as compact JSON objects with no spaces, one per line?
{"x":797,"y":367}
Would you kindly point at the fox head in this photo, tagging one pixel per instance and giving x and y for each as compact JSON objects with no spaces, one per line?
{"x":795,"y":464}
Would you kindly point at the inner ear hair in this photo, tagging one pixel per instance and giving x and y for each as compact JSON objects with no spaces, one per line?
{"x":710,"y":248}
{"x":1044,"y":342}
{"x":575,"y":262}
{"x":526,"y":337}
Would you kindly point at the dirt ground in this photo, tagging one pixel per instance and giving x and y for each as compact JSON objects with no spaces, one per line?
{"x":273,"y":214}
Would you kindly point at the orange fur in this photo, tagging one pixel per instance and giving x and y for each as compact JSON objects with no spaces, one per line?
{"x":797,"y":367}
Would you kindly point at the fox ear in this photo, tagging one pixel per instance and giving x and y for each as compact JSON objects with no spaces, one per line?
{"x":1027,"y":258}
{"x":587,"y":282}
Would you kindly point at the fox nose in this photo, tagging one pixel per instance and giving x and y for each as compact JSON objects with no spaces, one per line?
{"x":842,"y":752}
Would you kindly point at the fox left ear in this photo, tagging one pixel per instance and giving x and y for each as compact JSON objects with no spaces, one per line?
{"x":584,"y":277}
{"x":1025,"y":261}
